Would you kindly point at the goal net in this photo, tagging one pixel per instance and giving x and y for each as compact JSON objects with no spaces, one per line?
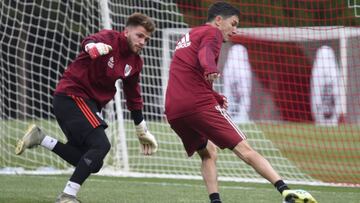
{"x":291,"y":81}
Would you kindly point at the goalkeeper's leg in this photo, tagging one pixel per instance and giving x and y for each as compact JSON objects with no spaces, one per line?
{"x":90,"y":162}
{"x":34,"y":137}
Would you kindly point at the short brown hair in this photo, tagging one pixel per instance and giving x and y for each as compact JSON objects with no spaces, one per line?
{"x":137,"y":19}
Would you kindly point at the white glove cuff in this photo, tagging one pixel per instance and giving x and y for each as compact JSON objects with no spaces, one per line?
{"x":88,"y":46}
{"x":141,"y":128}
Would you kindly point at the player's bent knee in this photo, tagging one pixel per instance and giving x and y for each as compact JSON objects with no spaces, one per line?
{"x":94,"y":168}
{"x":213,"y":154}
{"x":94,"y":158}
{"x":212,"y":149}
{"x":210,"y":152}
{"x":100,"y":149}
{"x":106,"y":147}
{"x":97,"y":140}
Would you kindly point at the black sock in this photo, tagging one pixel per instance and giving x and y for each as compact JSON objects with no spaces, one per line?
{"x":281,"y":186}
{"x":215,"y":197}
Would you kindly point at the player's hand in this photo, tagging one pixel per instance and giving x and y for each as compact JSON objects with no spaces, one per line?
{"x":146,"y":139}
{"x":97,"y":49}
{"x":225,"y":103}
{"x":297,"y":196}
{"x":211,"y":77}
{"x":222,"y":100}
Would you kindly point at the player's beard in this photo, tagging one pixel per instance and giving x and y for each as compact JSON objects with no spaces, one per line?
{"x":133,"y":48}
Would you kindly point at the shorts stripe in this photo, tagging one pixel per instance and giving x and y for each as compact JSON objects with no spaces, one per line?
{"x":227,"y":117}
{"x":86,"y":111}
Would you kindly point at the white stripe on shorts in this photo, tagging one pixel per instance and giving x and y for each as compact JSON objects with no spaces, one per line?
{"x":228,"y":118}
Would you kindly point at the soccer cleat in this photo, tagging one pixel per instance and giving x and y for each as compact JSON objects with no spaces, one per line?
{"x":32,"y":138}
{"x":297,"y":196}
{"x":66,"y":198}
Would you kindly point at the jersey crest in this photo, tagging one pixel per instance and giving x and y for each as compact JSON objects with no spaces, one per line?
{"x":127,"y":70}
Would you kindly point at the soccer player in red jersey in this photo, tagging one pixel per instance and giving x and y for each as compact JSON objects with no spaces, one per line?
{"x":198,"y":114}
{"x":86,"y":86}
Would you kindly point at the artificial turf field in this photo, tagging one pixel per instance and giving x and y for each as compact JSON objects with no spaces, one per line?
{"x":37,"y":189}
{"x":329,"y":154}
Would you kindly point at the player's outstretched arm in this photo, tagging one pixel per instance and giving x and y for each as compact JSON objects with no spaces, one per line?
{"x":297,"y":196}
{"x":147,"y":140}
{"x":97,"y":49}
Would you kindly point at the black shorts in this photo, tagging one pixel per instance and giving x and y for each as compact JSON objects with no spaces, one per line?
{"x":77,"y":117}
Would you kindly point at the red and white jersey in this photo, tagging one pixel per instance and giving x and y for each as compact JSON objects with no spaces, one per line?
{"x":95,"y":79}
{"x":196,"y":55}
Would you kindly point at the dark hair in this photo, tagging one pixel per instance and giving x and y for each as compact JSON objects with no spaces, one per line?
{"x":222,"y":9}
{"x":137,"y":19}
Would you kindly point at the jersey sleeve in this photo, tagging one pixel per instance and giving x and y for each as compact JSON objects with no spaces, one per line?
{"x":209,"y":50}
{"x":132,"y":93}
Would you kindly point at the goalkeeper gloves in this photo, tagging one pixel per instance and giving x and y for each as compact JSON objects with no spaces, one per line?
{"x":297,"y":196}
{"x":97,"y":49}
{"x":146,"y":139}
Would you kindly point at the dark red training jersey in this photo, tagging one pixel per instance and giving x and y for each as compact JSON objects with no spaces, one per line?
{"x":196,"y":55}
{"x":95,"y":78}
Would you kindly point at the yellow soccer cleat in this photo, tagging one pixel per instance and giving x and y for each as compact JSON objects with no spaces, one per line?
{"x":32,"y":138}
{"x":297,"y":196}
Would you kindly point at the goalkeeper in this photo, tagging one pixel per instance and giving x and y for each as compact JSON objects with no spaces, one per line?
{"x":86,"y":86}
{"x":198,"y":114}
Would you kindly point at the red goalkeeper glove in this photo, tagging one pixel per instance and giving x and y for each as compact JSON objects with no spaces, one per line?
{"x":97,"y":49}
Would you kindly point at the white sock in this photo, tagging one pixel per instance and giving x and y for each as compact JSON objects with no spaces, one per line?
{"x":48,"y":142}
{"x":71,"y":188}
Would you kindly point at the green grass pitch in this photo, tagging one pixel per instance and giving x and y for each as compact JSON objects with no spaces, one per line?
{"x":330,"y":154}
{"x":41,"y":189}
